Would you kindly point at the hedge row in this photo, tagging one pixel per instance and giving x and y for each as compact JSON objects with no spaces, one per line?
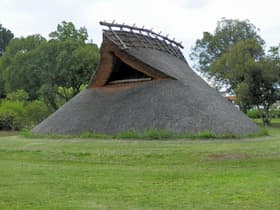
{"x":255,"y":114}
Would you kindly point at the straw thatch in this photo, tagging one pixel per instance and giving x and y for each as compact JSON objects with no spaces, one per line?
{"x":143,"y":81}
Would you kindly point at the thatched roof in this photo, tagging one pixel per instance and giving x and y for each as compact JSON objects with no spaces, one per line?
{"x":143,"y":81}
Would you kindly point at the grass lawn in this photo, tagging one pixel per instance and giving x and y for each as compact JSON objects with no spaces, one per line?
{"x":134,"y":174}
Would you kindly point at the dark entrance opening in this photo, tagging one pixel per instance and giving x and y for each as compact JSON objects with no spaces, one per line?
{"x":123,"y":73}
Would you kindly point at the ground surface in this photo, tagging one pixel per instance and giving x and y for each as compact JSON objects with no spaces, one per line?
{"x":130,"y":174}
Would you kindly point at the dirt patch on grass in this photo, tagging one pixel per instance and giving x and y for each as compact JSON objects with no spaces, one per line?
{"x":8,"y":133}
{"x":229,"y":156}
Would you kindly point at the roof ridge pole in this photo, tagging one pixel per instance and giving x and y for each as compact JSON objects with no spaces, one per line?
{"x":121,"y":27}
{"x":113,"y":24}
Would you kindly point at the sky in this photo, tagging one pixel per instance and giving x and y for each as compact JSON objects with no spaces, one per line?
{"x":186,"y":20}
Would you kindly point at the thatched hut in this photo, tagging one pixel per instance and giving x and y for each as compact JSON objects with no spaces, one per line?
{"x":144,"y":82}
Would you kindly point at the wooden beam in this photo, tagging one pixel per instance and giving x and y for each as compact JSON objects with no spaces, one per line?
{"x":130,"y":80}
{"x":121,"y":26}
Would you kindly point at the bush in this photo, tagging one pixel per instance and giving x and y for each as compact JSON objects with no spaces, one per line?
{"x":254,"y":114}
{"x":12,"y":115}
{"x":35,"y":112}
{"x":18,"y":95}
{"x":16,"y":114}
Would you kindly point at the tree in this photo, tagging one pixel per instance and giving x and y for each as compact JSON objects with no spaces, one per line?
{"x":67,"y":30}
{"x":5,"y":36}
{"x":66,"y":66}
{"x":17,"y":65}
{"x":233,"y":57}
{"x":212,"y":46}
{"x":54,"y":70}
{"x":231,"y":67}
{"x":252,"y":78}
{"x":70,"y":62}
{"x":260,"y":87}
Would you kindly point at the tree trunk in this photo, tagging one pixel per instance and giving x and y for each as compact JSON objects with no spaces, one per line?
{"x":265,"y":117}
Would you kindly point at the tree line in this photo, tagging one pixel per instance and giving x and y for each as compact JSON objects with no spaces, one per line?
{"x":234,"y":58}
{"x":38,"y":74}
{"x":53,"y":70}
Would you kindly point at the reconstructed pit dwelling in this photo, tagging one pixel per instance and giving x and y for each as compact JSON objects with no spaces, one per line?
{"x":144,"y":82}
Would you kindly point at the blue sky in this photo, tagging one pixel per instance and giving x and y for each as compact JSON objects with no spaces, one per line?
{"x":183,"y":19}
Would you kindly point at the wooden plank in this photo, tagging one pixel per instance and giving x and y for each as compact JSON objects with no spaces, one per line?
{"x":130,"y":80}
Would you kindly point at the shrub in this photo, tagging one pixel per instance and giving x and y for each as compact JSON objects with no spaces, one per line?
{"x":18,"y":95}
{"x":254,"y":114}
{"x":36,"y":111}
{"x":16,"y":112}
{"x":12,"y":115}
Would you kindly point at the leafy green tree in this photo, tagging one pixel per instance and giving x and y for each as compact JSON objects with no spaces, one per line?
{"x":233,"y":57}
{"x":67,"y":30}
{"x":260,"y":87}
{"x":5,"y":36}
{"x":232,"y":64}
{"x":49,"y":69}
{"x":253,"y":79}
{"x":70,"y":63}
{"x":212,"y":46}
{"x":66,"y":65}
{"x":17,"y":65}
{"x":2,"y":81}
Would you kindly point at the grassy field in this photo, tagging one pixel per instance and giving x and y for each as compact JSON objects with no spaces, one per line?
{"x":134,"y":174}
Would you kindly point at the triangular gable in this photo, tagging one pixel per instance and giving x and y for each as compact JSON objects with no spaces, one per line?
{"x":117,"y":66}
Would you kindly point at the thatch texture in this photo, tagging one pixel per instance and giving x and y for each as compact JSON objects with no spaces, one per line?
{"x":175,"y":98}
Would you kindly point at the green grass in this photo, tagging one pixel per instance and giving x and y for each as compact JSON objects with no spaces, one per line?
{"x":150,"y":134}
{"x":141,"y":174}
{"x":274,"y":129}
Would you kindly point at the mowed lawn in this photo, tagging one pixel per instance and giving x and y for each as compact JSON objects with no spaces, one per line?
{"x":135,"y":174}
